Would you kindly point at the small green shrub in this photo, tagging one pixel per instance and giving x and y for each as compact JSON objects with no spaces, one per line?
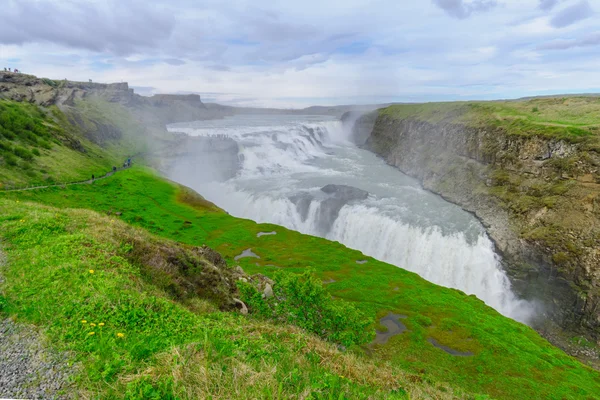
{"x":49,"y":82}
{"x":23,"y":153}
{"x":303,"y":301}
{"x":147,"y":389}
{"x":35,"y":152}
{"x":561,"y":258}
{"x":3,"y":303}
{"x":9,"y":159}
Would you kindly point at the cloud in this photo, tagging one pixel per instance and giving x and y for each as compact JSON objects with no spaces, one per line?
{"x":337,"y":51}
{"x":572,"y":14}
{"x":462,"y":9}
{"x":174,"y":61}
{"x":118,"y":27}
{"x":565,"y":44}
{"x":548,"y":5}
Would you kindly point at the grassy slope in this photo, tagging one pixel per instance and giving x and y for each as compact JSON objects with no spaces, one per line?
{"x":511,"y":360}
{"x":45,"y":136}
{"x":68,"y":272}
{"x":571,"y":118}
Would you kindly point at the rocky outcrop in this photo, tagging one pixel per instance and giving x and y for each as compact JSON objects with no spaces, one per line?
{"x":360,"y":125}
{"x":538,"y":197}
{"x":159,"y":109}
{"x":336,"y":197}
{"x":47,"y":92}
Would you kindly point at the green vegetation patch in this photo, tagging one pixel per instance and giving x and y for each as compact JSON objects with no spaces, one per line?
{"x":39,"y":147}
{"x":510,"y":360}
{"x":67,"y":271}
{"x":573,"y":118}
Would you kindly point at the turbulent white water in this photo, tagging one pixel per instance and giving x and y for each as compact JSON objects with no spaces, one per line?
{"x":286,"y":160}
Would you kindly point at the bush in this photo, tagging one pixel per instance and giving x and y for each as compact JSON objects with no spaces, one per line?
{"x":302,"y":300}
{"x":23,"y":153}
{"x":35,"y":152}
{"x":9,"y":159}
{"x":49,"y":82}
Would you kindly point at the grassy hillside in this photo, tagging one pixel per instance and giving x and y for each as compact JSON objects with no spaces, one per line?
{"x":71,"y":273}
{"x":45,"y":145}
{"x":509,"y":359}
{"x":570,"y":118}
{"x":39,"y":146}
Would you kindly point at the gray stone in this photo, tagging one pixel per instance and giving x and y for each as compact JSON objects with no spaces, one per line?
{"x":268,"y":292}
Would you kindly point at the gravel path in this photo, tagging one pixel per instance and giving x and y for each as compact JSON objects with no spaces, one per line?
{"x":28,"y":370}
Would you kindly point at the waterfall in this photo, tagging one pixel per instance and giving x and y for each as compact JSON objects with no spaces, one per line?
{"x":286,"y":162}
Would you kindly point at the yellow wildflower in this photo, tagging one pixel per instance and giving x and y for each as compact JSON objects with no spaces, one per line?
{"x":120,"y":335}
{"x":101,"y":324}
{"x":91,"y":333}
{"x":83,"y":321}
{"x":91,"y":271}
{"x":92,"y":324}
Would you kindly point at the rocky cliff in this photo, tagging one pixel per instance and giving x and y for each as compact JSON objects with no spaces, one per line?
{"x":159,"y":109}
{"x":535,"y":188}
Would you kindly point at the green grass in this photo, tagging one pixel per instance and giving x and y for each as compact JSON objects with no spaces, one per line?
{"x":511,"y":360}
{"x":569,"y":118}
{"x":38,"y":146}
{"x":68,"y":272}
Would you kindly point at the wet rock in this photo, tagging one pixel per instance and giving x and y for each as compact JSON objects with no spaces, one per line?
{"x":302,"y":202}
{"x":338,"y":197}
{"x":344,"y":192}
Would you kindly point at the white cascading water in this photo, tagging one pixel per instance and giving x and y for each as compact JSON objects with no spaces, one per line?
{"x":285,"y":161}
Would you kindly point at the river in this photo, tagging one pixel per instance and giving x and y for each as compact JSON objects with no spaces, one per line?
{"x":286,"y":160}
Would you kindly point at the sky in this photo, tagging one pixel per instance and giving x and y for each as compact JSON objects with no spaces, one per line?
{"x":296,"y":53}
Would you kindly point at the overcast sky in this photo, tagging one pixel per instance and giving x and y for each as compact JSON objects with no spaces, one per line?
{"x":295,"y":53}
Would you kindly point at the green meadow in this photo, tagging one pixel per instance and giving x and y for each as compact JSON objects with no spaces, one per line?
{"x":52,"y":248}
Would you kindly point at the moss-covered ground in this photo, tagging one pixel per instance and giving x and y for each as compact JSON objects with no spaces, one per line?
{"x":510,"y":359}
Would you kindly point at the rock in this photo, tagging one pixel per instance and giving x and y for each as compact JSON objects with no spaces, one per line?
{"x":268,"y":292}
{"x":344,"y":192}
{"x":457,"y":160}
{"x":242,"y":307}
{"x":338,"y":197}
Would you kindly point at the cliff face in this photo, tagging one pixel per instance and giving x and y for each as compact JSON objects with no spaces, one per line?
{"x":159,"y":109}
{"x":539,"y":198}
